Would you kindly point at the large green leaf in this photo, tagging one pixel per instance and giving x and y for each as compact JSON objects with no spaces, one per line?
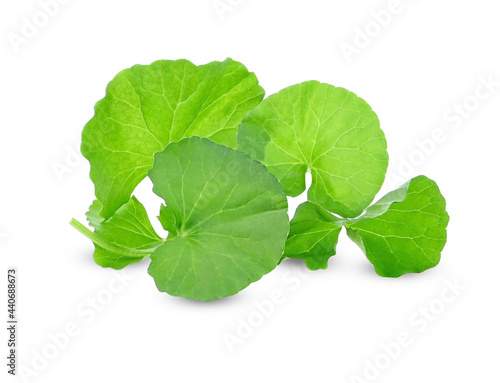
{"x":313,"y":237}
{"x":405,"y":231}
{"x":227,"y":217}
{"x":148,"y":106}
{"x":328,"y":130}
{"x":124,"y":239}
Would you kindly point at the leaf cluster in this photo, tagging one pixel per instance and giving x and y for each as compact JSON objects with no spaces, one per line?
{"x":224,"y":160}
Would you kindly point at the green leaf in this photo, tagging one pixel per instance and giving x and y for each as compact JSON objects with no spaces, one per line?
{"x":227,"y":215}
{"x":124,"y":239}
{"x":405,"y":231}
{"x":148,"y":106}
{"x":328,"y":130}
{"x":93,"y":215}
{"x":313,"y":237}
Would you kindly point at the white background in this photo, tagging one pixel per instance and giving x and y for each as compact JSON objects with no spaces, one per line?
{"x":428,"y":58}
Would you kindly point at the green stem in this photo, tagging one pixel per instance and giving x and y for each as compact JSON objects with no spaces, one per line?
{"x":111,"y":247}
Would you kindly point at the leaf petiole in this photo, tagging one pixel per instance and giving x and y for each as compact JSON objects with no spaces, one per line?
{"x":109,"y":246}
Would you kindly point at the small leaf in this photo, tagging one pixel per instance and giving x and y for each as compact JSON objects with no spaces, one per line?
{"x":313,"y":237}
{"x":148,"y":106}
{"x":327,"y":130}
{"x":93,"y":215}
{"x":124,"y":239}
{"x":227,"y":215}
{"x":405,"y":231}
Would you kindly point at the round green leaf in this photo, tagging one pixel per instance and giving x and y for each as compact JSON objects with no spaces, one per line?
{"x":327,"y":130}
{"x":148,"y":106}
{"x":405,"y":231}
{"x":314,"y":234}
{"x":227,"y":217}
